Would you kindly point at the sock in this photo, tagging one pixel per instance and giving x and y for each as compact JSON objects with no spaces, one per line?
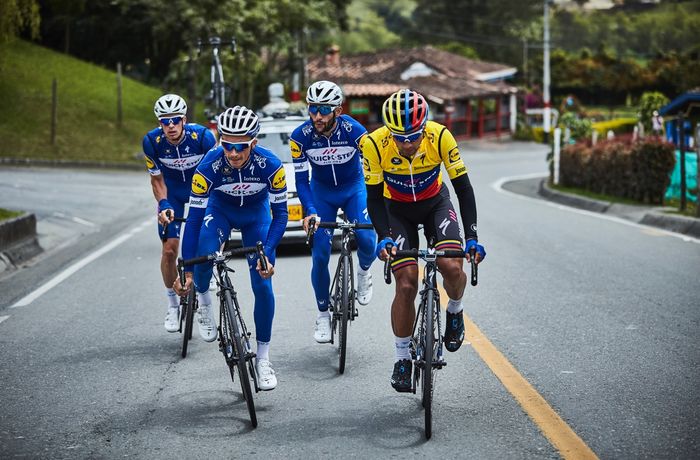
{"x":204,"y":298}
{"x":173,"y":299}
{"x":362,"y":272}
{"x":324,"y":314}
{"x":263,"y":350}
{"x":402,"y":344}
{"x":455,"y":306}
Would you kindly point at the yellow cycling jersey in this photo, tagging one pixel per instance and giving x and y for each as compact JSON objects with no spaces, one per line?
{"x":415,"y":179}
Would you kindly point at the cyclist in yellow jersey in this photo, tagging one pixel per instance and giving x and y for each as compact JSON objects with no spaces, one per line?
{"x":402,"y":166}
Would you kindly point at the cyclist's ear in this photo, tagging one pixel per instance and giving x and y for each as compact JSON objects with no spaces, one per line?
{"x":338,"y":110}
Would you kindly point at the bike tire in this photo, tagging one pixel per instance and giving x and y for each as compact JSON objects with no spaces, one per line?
{"x":188,"y":316}
{"x":241,"y":352}
{"x":344,"y":312}
{"x":428,"y":357}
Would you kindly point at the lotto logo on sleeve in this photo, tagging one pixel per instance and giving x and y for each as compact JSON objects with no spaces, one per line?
{"x":296,"y":149}
{"x":199,"y":184}
{"x":279,"y":181}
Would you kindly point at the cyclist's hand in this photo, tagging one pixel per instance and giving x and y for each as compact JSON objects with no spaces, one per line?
{"x":307,"y":219}
{"x":179,"y":288}
{"x":480,"y":251}
{"x":270,"y":269}
{"x":381,"y":251}
{"x":166,"y":215}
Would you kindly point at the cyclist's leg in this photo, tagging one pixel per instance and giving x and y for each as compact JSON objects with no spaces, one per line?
{"x":355,"y":207}
{"x":321,"y":251}
{"x":168,"y":265}
{"x":443,"y":227}
{"x":254,"y":229}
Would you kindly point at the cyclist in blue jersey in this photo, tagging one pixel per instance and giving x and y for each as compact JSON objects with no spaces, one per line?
{"x":172,"y":152}
{"x":327,"y":145}
{"x":239,"y":184}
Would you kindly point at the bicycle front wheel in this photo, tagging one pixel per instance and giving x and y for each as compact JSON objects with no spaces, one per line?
{"x":343,"y":311}
{"x":240,"y":355}
{"x":188,"y":318}
{"x":429,"y":352}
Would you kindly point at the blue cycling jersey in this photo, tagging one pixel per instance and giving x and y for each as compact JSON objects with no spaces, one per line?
{"x":177,"y":162}
{"x":335,"y":161}
{"x":217,"y":187}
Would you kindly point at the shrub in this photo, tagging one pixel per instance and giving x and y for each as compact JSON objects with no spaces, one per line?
{"x":580,"y":128}
{"x":639,"y":171}
{"x":649,"y":102}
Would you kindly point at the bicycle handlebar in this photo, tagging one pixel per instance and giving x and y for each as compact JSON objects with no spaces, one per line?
{"x":418,"y":253}
{"x":223,"y":255}
{"x":475,"y":267}
{"x":342,"y":225}
{"x":387,"y":263}
{"x":169,"y":213}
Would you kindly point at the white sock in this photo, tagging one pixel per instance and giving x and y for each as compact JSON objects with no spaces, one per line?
{"x":361,"y":271}
{"x":402,"y":344}
{"x":455,"y":306}
{"x":204,"y":298}
{"x":324,"y":314}
{"x":263,"y":350}
{"x":173,"y":299}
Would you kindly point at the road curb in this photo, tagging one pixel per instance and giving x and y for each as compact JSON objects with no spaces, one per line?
{"x":18,"y":241}
{"x":679,"y":224}
{"x":70,"y":163}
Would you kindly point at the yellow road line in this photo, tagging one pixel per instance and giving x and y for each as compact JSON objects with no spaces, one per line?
{"x":555,"y":429}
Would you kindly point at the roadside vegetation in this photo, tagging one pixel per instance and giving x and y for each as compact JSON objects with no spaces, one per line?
{"x":86,"y":114}
{"x":7,"y":214}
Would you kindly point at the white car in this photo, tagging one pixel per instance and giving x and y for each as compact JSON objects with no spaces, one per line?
{"x":274,"y":135}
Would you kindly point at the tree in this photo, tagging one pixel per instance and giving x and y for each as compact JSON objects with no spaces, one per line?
{"x":17,"y":16}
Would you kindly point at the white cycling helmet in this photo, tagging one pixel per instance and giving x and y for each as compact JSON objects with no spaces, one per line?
{"x":325,"y":93}
{"x":170,"y":104}
{"x":238,"y":121}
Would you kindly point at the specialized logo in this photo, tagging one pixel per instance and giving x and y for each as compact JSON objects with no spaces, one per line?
{"x":149,"y":163}
{"x":208,"y":218}
{"x":443,"y":226}
{"x":400,"y":240}
{"x":279,"y":180}
{"x":296,"y":149}
{"x":199,"y":184}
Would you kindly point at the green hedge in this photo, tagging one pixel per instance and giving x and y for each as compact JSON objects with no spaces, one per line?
{"x":617,"y":125}
{"x":639,"y":171}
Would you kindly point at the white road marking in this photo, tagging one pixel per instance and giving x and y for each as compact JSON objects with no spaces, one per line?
{"x":498,"y":186}
{"x":32,"y":296}
{"x":3,"y":318}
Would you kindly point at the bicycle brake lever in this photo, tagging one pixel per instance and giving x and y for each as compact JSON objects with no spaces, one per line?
{"x":387,"y":264}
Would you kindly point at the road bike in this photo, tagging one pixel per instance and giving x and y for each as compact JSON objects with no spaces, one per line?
{"x":342,"y":291}
{"x":234,"y":338}
{"x":217,"y":93}
{"x":426,"y":345}
{"x":188,"y":302}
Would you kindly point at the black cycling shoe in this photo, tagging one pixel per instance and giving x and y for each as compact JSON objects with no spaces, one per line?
{"x":454,"y":331}
{"x":401,"y":378}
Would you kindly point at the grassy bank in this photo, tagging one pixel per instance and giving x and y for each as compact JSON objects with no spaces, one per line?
{"x":7,"y":214}
{"x":86,"y":109}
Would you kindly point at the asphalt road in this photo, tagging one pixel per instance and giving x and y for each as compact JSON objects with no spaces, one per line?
{"x":598,"y":316}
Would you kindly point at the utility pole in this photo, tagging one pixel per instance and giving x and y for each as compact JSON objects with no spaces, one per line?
{"x":545,"y":77}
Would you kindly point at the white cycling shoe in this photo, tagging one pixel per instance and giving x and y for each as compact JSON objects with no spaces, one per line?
{"x":322,"y":333}
{"x":364,"y":289}
{"x":266,"y":375}
{"x":207,"y":323}
{"x":172,"y":319}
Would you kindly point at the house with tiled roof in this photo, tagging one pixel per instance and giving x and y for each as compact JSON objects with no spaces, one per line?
{"x":470,"y":97}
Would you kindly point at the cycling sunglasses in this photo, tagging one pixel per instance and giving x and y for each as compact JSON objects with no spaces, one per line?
{"x":322,"y":109}
{"x":237,"y":146}
{"x":408,"y":137}
{"x":167,"y":120}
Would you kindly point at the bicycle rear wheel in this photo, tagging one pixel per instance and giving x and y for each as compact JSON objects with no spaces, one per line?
{"x":343,"y":311}
{"x":188,"y":318}
{"x":241,"y":352}
{"x":428,"y":356}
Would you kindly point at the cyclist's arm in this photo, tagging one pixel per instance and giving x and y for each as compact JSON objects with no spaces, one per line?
{"x":457,"y":171}
{"x":301,"y":176}
{"x":277,"y":187}
{"x":199,"y":198}
{"x":374,"y":181}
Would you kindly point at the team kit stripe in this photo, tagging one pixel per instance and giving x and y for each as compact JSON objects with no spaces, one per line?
{"x":449,"y":245}
{"x":401,"y":263}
